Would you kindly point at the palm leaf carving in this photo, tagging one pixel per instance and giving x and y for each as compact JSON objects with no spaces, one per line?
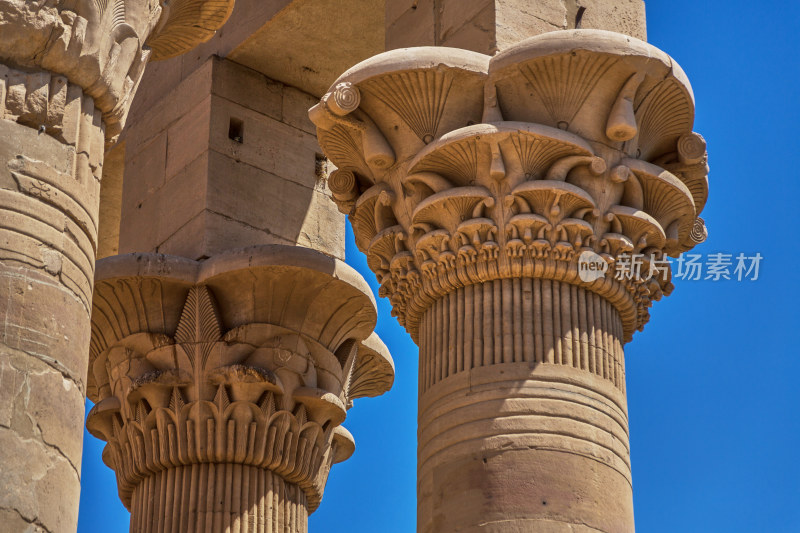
{"x":199,"y":324}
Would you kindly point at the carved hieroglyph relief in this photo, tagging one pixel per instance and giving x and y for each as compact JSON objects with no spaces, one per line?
{"x":457,"y":169}
{"x":241,"y":367}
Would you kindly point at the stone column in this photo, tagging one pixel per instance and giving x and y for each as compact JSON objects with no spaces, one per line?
{"x":221,"y":385}
{"x":67,"y":75}
{"x":227,"y":158}
{"x":495,"y":199}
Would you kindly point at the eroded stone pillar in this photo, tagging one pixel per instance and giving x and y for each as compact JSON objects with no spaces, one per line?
{"x":495,"y":199}
{"x":221,"y":385}
{"x":68,"y":71}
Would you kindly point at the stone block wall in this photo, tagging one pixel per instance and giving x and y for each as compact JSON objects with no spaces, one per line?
{"x":487,"y":26}
{"x":227,"y":159}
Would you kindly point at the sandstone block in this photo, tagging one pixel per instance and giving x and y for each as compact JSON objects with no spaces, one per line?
{"x":247,"y":88}
{"x":146,"y":165}
{"x":182,"y":197}
{"x":295,"y":109}
{"x":268,"y":144}
{"x":188,"y":137}
{"x":42,"y":486}
{"x":413,"y":27}
{"x":623,"y":16}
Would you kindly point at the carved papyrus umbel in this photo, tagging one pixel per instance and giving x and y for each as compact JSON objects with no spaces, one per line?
{"x":100,"y":46}
{"x":457,"y":169}
{"x":243,"y":364}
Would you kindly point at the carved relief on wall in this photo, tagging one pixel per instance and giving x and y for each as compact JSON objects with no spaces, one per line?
{"x":252,"y":357}
{"x":456,"y":168}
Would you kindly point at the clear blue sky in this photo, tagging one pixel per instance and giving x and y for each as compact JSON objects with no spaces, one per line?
{"x":712,"y":381}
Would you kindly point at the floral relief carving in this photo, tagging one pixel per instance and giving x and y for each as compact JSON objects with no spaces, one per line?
{"x":102,"y":46}
{"x":178,"y":381}
{"x":512,"y":166}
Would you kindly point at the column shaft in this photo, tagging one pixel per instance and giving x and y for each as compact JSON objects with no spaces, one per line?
{"x":49,"y":194}
{"x":218,"y":497}
{"x":523,"y":320}
{"x":523,"y":421}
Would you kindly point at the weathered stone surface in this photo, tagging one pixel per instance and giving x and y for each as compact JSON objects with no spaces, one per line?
{"x":68,"y":72}
{"x":192,"y":190}
{"x":294,"y":212}
{"x":101,"y":51}
{"x":516,"y":20}
{"x":38,"y":449}
{"x":111,"y":202}
{"x":334,"y":34}
{"x":476,"y":196}
{"x":410,"y":23}
{"x":239,"y":367}
{"x":249,"y":88}
{"x":39,"y":402}
{"x":623,"y":16}
{"x":13,"y":522}
{"x":294,"y":110}
{"x":42,"y":487}
{"x":489,"y":26}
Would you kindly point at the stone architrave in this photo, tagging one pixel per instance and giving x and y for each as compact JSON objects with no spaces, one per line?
{"x":497,"y":200}
{"x":68,"y":72}
{"x":221,"y":385}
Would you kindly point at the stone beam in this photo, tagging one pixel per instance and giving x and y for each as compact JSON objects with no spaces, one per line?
{"x":307,"y":44}
{"x":495,"y":198}
{"x":222,"y":398}
{"x":68,"y":73}
{"x":255,"y":71}
{"x":226,"y":159}
{"x":487,"y":26}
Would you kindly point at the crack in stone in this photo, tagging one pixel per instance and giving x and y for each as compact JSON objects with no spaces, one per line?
{"x":32,"y":521}
{"x":52,"y":363}
{"x":32,"y":264}
{"x":47,"y":445}
{"x":58,"y":449}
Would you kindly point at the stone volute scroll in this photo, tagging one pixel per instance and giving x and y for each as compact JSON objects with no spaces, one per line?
{"x":221,"y":386}
{"x":473,"y":185}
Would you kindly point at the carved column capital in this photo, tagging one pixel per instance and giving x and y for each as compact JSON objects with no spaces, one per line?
{"x":250,"y":358}
{"x":457,"y":169}
{"x":100,"y":46}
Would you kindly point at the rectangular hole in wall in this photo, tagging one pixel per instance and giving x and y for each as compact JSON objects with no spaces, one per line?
{"x":320,"y":166}
{"x":236,"y":130}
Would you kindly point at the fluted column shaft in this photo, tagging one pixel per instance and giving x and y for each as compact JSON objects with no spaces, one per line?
{"x":218,"y":497}
{"x":522,"y":412}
